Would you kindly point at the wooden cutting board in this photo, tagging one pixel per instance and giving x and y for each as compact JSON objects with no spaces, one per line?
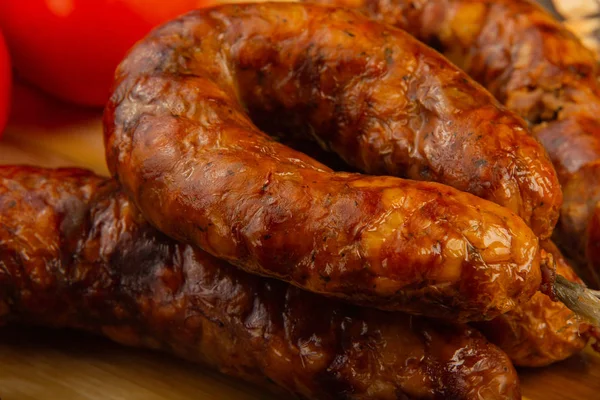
{"x":43,"y":364}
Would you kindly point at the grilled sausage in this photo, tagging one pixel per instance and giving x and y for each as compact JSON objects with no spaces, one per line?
{"x":541,"y":331}
{"x":74,"y":252}
{"x":184,"y":149}
{"x":536,"y":333}
{"x":419,"y":118}
{"x":401,"y":110}
{"x":537,"y":68}
{"x":514,"y":48}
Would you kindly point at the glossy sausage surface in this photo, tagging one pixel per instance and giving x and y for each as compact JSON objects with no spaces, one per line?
{"x":515,"y":48}
{"x":537,"y":68}
{"x":394,"y":107}
{"x":74,"y":252}
{"x":536,"y":333}
{"x":541,"y":71}
{"x":541,"y":331}
{"x":180,"y":141}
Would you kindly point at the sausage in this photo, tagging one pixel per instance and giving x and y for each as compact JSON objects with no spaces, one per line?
{"x":76,"y":253}
{"x":419,"y":118}
{"x":536,"y":333}
{"x":184,"y":149}
{"x":540,"y":70}
{"x":515,"y":48}
{"x":541,"y":331}
{"x":579,"y":232}
{"x":537,"y":68}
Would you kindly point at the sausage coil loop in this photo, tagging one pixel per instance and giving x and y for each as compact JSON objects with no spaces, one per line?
{"x":181,"y":142}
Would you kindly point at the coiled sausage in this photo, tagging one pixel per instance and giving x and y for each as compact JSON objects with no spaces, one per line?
{"x":536,"y":333}
{"x":538,"y":69}
{"x":179,"y":140}
{"x":74,"y":252}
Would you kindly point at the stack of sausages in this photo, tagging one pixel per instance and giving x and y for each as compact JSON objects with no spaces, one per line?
{"x":222,"y":244}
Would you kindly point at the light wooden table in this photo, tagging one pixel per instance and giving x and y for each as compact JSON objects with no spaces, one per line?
{"x":43,"y":364}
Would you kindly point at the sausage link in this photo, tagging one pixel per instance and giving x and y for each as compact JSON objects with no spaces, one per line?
{"x":180,"y":143}
{"x":419,"y":118}
{"x":538,"y":69}
{"x":536,"y":333}
{"x":579,"y":231}
{"x":525,"y":58}
{"x":74,"y":252}
{"x":541,"y":331}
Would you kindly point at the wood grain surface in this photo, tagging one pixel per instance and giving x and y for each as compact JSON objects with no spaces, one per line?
{"x":45,"y":364}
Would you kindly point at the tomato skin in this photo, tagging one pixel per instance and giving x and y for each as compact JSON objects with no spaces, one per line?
{"x":70,"y":48}
{"x":5,"y":83}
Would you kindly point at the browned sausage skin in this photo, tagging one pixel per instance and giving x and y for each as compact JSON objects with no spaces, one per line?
{"x":527,"y":60}
{"x":541,"y":331}
{"x":74,"y":252}
{"x":537,"y":68}
{"x":536,"y":333}
{"x":201,"y":172}
{"x":419,"y":118}
{"x":540,"y":70}
{"x":391,"y":106}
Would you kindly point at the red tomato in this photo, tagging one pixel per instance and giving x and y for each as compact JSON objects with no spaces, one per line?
{"x":4,"y":83}
{"x":71,"y":48}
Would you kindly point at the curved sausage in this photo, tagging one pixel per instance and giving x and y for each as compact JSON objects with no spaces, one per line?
{"x":536,"y":333}
{"x":538,"y":69}
{"x":418,"y":118}
{"x":541,"y":331}
{"x":180,"y":142}
{"x":579,"y":234}
{"x":75,"y":253}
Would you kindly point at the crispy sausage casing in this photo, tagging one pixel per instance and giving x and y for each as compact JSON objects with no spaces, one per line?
{"x":540,"y":70}
{"x":383,"y":101}
{"x":186,"y":152}
{"x":74,"y":252}
{"x":541,"y":331}
{"x":387,"y":105}
{"x":536,"y":333}
{"x":537,"y":68}
{"x":525,"y":58}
